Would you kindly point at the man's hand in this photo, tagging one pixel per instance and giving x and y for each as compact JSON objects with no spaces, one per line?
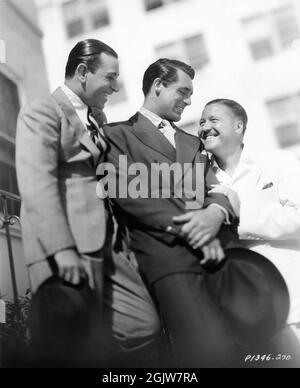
{"x":213,"y":253}
{"x":201,"y":226}
{"x":69,"y":265}
{"x":232,"y":195}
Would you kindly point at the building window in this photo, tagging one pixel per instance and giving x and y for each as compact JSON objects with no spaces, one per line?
{"x":191,"y":50}
{"x":9,"y":109}
{"x":285,"y":118}
{"x":270,"y":33}
{"x":153,"y":4}
{"x":73,"y":18}
{"x":82,"y":16}
{"x":100,"y":19}
{"x":120,"y":96}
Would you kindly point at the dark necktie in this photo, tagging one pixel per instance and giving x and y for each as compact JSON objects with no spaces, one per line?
{"x":96,"y":133}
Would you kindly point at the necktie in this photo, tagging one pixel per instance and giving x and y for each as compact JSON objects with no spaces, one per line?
{"x":168,"y":131}
{"x":96,"y":133}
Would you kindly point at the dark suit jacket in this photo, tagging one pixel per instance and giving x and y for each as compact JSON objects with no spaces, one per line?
{"x":158,"y":252}
{"x":56,"y":163}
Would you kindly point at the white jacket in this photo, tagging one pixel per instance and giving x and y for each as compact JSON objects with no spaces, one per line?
{"x":269,"y":189}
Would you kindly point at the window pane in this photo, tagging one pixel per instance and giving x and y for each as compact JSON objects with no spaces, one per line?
{"x":73,"y":18}
{"x":288,"y":135}
{"x":74,"y":28}
{"x":196,"y":51}
{"x":100,"y":19}
{"x":152,"y":4}
{"x":4,"y":177}
{"x":287,"y":26}
{"x":261,"y":49}
{"x":285,"y":117}
{"x":258,"y":33}
{"x":9,"y":106}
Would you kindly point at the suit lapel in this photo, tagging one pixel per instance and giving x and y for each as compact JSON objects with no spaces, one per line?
{"x":78,"y":127}
{"x":149,"y":135}
{"x":193,"y":163}
{"x":187,"y":146}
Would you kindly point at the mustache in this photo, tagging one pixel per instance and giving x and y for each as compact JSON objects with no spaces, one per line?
{"x":210,"y":132}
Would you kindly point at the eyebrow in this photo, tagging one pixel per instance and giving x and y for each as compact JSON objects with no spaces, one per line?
{"x":186,"y":89}
{"x":113,"y":73}
{"x":210,"y":118}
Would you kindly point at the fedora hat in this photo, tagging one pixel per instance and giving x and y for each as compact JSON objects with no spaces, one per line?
{"x":67,"y":326}
{"x":251,"y":293}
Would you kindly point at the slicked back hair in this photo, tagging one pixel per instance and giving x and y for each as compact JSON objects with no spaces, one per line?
{"x":166,"y":70}
{"x":87,"y":52}
{"x":236,"y":108}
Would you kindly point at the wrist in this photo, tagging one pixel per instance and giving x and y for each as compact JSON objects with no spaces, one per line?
{"x":217,"y":213}
{"x":64,"y":251}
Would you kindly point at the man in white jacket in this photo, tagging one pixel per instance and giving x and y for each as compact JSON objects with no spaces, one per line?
{"x":264,"y":189}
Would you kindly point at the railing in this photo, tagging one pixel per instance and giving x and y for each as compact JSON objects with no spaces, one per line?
{"x":6,"y":221}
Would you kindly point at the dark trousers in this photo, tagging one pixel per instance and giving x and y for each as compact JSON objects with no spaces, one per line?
{"x":199,"y":334}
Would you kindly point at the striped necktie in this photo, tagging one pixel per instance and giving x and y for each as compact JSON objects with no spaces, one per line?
{"x":168,"y":131}
{"x":96,"y":133}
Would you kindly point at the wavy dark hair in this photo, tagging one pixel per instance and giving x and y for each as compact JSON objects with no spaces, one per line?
{"x":88,"y":52}
{"x":166,"y":70}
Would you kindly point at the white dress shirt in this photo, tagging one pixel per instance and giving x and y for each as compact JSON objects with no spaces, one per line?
{"x":269,"y":189}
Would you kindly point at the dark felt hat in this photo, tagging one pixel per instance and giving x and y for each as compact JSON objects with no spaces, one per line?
{"x":251,"y":293}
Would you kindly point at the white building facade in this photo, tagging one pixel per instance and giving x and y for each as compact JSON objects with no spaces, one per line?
{"x":247,"y":50}
{"x":22,"y":77}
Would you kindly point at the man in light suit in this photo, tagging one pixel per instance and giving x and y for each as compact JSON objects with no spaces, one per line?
{"x":67,"y":230}
{"x":264,"y":188}
{"x":174,"y":237}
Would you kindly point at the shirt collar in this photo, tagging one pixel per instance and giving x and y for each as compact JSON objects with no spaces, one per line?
{"x":80,"y":107}
{"x":75,"y":100}
{"x":154,"y":118}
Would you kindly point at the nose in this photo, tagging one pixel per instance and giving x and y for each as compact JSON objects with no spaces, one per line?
{"x":206,"y":126}
{"x":188,"y":100}
{"x":115,"y":86}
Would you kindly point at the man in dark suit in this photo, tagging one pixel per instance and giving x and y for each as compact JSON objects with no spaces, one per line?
{"x":67,"y":230}
{"x":176,"y":236}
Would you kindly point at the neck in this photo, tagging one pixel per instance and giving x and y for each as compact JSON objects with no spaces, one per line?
{"x":228,"y":160}
{"x":151,"y":107}
{"x":75,"y":89}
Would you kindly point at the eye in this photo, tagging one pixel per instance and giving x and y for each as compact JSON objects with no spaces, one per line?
{"x":202,"y":122}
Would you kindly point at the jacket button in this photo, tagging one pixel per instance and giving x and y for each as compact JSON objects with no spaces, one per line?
{"x":169,"y":229}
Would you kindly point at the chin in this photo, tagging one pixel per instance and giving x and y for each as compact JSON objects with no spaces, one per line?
{"x":175,"y":118}
{"x":210,"y":148}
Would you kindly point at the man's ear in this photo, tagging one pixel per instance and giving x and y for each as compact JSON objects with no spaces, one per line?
{"x":157,"y":84}
{"x":240,"y":127}
{"x":81,"y":72}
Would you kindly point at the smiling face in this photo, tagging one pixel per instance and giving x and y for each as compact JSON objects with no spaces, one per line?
{"x":102,"y":83}
{"x":175,"y":97}
{"x":220,"y":128}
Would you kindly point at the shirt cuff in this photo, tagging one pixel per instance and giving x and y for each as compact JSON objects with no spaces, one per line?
{"x":227,"y":219}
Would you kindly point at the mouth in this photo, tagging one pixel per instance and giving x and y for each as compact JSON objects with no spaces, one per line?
{"x":209,"y":135}
{"x":178,"y":109}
